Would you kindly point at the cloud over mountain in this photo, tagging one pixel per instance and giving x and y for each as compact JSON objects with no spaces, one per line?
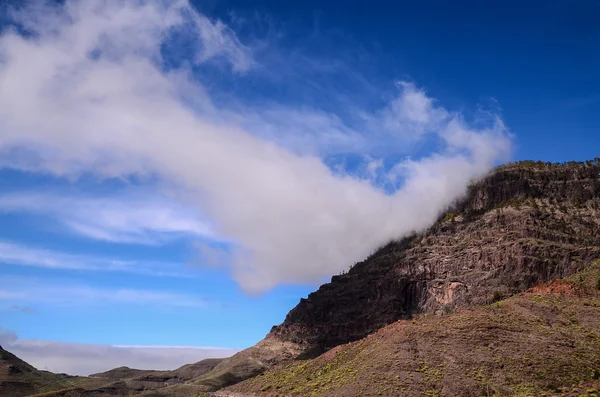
{"x":94,"y":88}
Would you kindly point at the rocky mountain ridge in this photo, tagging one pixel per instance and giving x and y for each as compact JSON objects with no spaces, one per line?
{"x":524,"y":224}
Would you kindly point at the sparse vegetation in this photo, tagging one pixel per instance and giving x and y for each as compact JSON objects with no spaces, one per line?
{"x":543,"y":340}
{"x":497,"y":296}
{"x":449,"y":216}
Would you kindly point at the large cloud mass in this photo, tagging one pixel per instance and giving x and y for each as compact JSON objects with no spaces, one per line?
{"x":87,"y":87}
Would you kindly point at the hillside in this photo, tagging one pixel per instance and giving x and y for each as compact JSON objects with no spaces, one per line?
{"x":523,"y":225}
{"x":125,"y":381}
{"x":18,"y":378}
{"x":545,"y":341}
{"x":123,"y":373}
{"x":179,"y":375}
{"x":248,"y":363}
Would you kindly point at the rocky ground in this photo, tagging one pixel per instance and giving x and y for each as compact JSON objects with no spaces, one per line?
{"x":543,"y":342}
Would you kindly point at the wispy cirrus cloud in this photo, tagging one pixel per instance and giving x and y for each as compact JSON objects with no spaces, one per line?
{"x":104,"y":88}
{"x":18,"y":290}
{"x":86,"y":359}
{"x":25,"y":255}
{"x":121,"y":218}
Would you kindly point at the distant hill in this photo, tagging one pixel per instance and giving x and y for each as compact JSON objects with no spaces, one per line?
{"x":121,"y":373}
{"x":18,"y":378}
{"x":180,"y":375}
{"x":184,"y":373}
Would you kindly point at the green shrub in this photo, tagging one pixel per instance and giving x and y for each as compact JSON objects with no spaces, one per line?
{"x":497,"y":296}
{"x":449,"y":216}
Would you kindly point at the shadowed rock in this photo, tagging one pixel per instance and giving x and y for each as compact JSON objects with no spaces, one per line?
{"x":523,"y":225}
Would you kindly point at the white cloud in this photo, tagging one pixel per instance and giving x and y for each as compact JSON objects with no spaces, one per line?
{"x":217,"y":39}
{"x":119,"y":113}
{"x":21,"y":255}
{"x":412,"y":114}
{"x":304,"y":131}
{"x":86,"y":359}
{"x":140,"y":218}
{"x":30,"y":290}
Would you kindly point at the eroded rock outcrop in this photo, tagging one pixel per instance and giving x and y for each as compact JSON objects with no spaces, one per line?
{"x":523,"y":225}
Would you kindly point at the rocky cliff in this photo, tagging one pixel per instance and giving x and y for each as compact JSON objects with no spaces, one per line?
{"x":539,"y":343}
{"x":524,"y":224}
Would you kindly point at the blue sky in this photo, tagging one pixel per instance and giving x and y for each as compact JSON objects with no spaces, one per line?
{"x":537,"y":61}
{"x":178,"y":174}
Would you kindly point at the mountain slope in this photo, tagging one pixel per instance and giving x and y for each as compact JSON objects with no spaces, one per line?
{"x":124,"y":373}
{"x":248,"y":363}
{"x":18,"y":378}
{"x":182,"y":374}
{"x":150,"y":383}
{"x":179,"y":375}
{"x":523,"y":225}
{"x":545,"y":341}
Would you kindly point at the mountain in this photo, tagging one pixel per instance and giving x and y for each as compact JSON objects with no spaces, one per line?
{"x":499,"y":297}
{"x":179,"y":375}
{"x":121,"y":373}
{"x":542,"y":342}
{"x":182,"y":374}
{"x":125,"y":381}
{"x":18,"y":378}
{"x":523,"y":225}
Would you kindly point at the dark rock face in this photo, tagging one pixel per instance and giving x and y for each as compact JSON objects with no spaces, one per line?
{"x":523,"y":225}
